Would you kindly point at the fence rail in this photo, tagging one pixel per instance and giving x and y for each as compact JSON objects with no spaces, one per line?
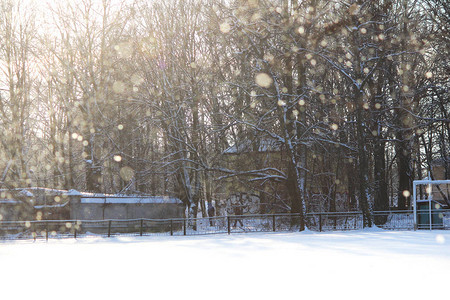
{"x":321,"y":221}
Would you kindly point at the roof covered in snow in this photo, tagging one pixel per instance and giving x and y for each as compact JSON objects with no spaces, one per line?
{"x":129,"y":200}
{"x":9,"y":201}
{"x":34,"y":191}
{"x":39,"y":192}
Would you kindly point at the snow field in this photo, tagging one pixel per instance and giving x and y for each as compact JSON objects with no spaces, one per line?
{"x":366,"y":264}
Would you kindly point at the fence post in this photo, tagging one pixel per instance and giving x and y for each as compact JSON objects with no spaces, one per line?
{"x":75,"y":230}
{"x":171,"y":226}
{"x":364,"y":221}
{"x":109,"y":228}
{"x":184,"y":226}
{"x":228,"y":224}
{"x":273,"y":223}
{"x":46,"y":231}
{"x":142,"y":227}
{"x":415,"y":204}
{"x":320,"y":222}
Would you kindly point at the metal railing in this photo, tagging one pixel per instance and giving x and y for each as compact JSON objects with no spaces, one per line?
{"x":326,"y":221}
{"x":389,"y":220}
{"x":145,"y":227}
{"x":321,"y":221}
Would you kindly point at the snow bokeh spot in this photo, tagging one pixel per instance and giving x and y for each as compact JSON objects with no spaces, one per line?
{"x":118,"y":87}
{"x":281,"y":102}
{"x":126,"y":173}
{"x":225,"y":27}
{"x":440,"y":239}
{"x":263,"y":80}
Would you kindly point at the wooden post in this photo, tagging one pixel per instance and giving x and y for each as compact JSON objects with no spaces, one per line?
{"x":228,"y":224}
{"x":109,"y":228}
{"x":46,"y":231}
{"x":142,"y":225}
{"x":273,"y":223}
{"x":171,"y":226}
{"x":320,"y":222}
{"x":184,"y":227}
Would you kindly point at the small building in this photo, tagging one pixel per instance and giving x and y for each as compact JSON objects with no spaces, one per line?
{"x":431,"y":200}
{"x":440,"y":192}
{"x":51,"y":204}
{"x":436,"y":213}
{"x":244,"y":195}
{"x":15,"y":204}
{"x":13,"y":210}
{"x":441,"y":168}
{"x":102,"y":207}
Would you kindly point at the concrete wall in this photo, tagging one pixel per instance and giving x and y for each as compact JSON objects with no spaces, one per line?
{"x":60,"y":204}
{"x":15,"y":212}
{"x":100,"y":211}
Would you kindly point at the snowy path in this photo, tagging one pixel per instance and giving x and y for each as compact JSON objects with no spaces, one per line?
{"x":340,"y":265}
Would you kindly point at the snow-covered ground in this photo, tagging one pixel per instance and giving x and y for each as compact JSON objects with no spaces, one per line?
{"x":340,"y":265}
